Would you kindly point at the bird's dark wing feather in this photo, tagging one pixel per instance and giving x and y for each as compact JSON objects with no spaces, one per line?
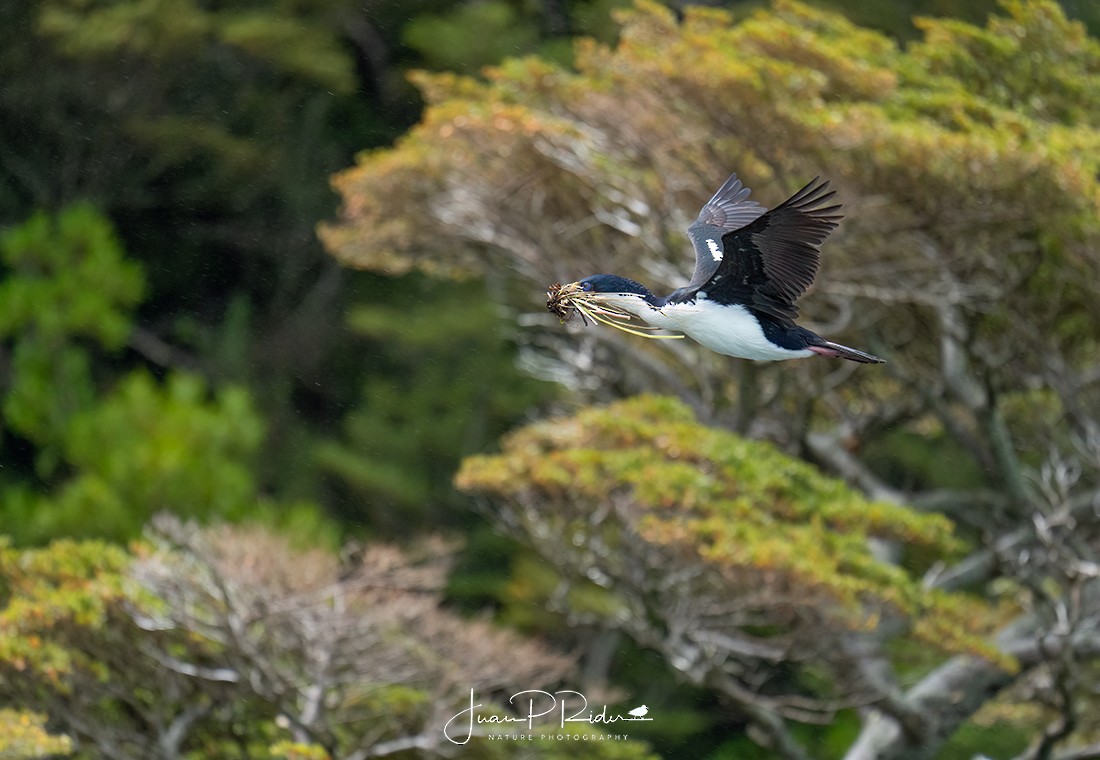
{"x":729,"y":209}
{"x":770,"y":262}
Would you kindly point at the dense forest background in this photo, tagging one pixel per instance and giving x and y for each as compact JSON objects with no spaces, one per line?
{"x":292,"y":458}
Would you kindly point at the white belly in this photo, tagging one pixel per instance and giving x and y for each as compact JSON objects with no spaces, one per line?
{"x":729,"y":330}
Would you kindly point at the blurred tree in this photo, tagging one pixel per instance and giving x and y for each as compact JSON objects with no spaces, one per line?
{"x":208,"y":134}
{"x":336,"y":659}
{"x":92,"y":451}
{"x":23,"y":736}
{"x":171,"y":448}
{"x":968,"y":167}
{"x":66,"y":280}
{"x":445,"y":42}
{"x":736,"y":562}
{"x":443,"y":385}
{"x":464,"y":37}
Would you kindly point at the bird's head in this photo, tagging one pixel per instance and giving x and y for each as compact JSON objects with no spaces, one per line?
{"x":613,"y":284}
{"x":602,"y":291}
{"x":609,"y":299}
{"x":619,"y":292}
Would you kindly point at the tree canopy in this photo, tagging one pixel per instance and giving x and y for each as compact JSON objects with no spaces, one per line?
{"x":307,"y":655}
{"x":710,"y":544}
{"x":966,"y":162}
{"x":229,"y":526}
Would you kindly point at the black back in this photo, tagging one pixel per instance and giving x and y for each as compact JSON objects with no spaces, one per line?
{"x":768,"y":263}
{"x":729,"y":209}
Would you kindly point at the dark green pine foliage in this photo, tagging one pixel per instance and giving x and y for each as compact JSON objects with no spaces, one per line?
{"x":442,"y":383}
{"x":91,"y":449}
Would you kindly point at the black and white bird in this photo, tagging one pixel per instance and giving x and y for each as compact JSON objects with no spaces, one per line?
{"x":751,"y":265}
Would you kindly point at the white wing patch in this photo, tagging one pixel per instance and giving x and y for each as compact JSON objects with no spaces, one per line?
{"x":715,"y":251}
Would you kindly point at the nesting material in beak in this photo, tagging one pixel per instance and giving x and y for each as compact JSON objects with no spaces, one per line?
{"x":559,"y":300}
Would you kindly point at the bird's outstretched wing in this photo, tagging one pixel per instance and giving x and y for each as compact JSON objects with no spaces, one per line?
{"x":769,"y":263}
{"x":729,"y":209}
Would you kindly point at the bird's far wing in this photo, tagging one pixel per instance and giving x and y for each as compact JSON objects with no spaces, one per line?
{"x":770,"y":262}
{"x":729,"y":209}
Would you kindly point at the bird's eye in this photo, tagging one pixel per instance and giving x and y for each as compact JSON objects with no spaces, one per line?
{"x":586,"y":286}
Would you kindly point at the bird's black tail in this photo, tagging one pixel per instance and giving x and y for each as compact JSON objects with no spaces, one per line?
{"x":828,"y":348}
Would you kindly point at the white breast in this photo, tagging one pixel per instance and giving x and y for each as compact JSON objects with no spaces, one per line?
{"x":729,"y":330}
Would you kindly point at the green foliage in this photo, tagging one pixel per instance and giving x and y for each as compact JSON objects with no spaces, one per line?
{"x":466,"y":37}
{"x":1033,"y":61}
{"x":74,"y":263}
{"x":24,"y":736}
{"x":740,"y":509}
{"x":1002,"y":739}
{"x":566,"y":749}
{"x":919,"y":461}
{"x":148,"y":27}
{"x":66,"y":281}
{"x":896,"y":17}
{"x":967,"y":165}
{"x":52,"y":598}
{"x":208,"y":131}
{"x":500,"y":32}
{"x":84,"y":625}
{"x":172,"y":449}
{"x":70,"y":647}
{"x":286,"y":750}
{"x":49,"y":387}
{"x":1001,"y":192}
{"x":308,"y":51}
{"x":443,"y":385}
{"x":298,"y":45}
{"x":110,"y":450}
